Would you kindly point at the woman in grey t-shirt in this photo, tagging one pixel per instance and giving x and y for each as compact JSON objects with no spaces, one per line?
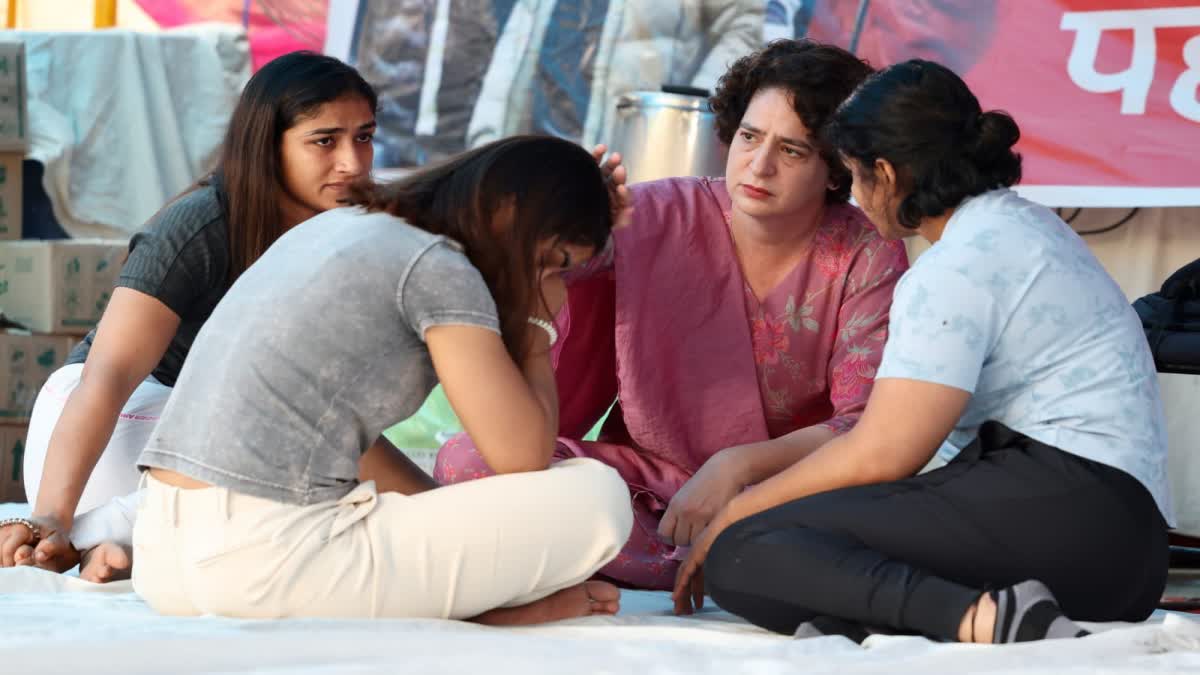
{"x":253,"y":507}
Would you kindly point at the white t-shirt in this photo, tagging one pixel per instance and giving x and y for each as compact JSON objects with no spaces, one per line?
{"x":1011,"y":306}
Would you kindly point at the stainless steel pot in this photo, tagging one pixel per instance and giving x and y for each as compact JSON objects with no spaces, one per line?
{"x":661,"y":134}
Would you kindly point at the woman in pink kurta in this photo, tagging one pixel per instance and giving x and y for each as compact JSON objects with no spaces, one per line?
{"x":704,"y":367}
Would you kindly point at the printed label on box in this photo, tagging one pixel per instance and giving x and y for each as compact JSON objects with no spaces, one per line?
{"x":29,"y":360}
{"x":14,"y":130}
{"x":10,"y":195}
{"x":12,"y":462}
{"x":60,"y":286}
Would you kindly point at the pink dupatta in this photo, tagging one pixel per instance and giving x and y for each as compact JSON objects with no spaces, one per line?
{"x":688,"y":387}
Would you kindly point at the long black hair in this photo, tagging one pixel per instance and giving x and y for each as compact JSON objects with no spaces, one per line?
{"x":250,"y":170}
{"x":552,"y":188}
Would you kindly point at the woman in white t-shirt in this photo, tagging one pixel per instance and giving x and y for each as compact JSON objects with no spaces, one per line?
{"x":1012,"y":354}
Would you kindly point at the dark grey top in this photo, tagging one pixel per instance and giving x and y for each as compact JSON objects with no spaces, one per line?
{"x":182,"y":258}
{"x":316,"y":348}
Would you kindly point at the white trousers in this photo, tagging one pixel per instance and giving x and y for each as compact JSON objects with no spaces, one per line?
{"x":454,"y":552}
{"x":107,"y":506}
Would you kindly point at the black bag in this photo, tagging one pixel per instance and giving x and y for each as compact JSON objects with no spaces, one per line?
{"x":1171,"y":318}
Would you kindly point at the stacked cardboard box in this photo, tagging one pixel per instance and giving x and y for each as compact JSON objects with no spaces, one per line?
{"x":57,"y":290}
{"x":58,"y":286}
{"x":12,"y":457}
{"x":14,"y":134}
{"x":10,"y":195}
{"x":26,"y":361}
{"x":16,"y":376}
{"x":14,"y":118}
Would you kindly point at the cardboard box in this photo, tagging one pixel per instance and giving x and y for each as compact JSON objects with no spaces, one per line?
{"x":27,"y":362}
{"x":10,"y":195}
{"x":14,"y":115}
{"x":12,"y":463}
{"x":59,"y":286}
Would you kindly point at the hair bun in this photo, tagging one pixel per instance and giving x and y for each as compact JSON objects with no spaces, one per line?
{"x":996,"y":133}
{"x":922,"y":117}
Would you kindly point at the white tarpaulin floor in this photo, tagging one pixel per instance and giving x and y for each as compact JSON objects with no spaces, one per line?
{"x":60,"y":624}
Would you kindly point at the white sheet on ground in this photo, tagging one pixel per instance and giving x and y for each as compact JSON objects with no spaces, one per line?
{"x":55,"y":623}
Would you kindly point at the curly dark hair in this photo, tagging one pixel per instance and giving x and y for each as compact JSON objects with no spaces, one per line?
{"x":817,"y":76}
{"x":923,"y":119}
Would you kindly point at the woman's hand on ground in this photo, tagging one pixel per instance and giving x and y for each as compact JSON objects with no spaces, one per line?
{"x":52,"y":551}
{"x":689,"y":581}
{"x":16,"y":544}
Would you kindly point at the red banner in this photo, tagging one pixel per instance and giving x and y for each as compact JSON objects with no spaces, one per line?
{"x":1105,"y":91}
{"x":273,"y":27}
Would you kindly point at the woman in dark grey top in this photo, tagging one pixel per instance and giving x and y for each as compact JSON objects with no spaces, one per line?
{"x":253,"y":505}
{"x":299,"y":136}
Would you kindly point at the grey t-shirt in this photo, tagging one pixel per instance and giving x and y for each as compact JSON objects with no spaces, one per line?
{"x":314,"y":351}
{"x":182,"y":259}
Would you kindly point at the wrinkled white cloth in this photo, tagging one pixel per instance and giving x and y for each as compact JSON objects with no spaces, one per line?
{"x":123,"y":121}
{"x":49,"y":627}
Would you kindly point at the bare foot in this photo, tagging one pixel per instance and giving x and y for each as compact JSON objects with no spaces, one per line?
{"x":23,"y":557}
{"x":106,"y":562}
{"x":591,"y":598}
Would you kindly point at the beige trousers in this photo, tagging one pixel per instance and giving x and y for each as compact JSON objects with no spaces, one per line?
{"x":454,"y":552}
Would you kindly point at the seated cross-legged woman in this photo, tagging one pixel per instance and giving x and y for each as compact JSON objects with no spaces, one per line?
{"x":742,"y":317}
{"x":1010,"y":349}
{"x":252,"y":506}
{"x":300,"y":134}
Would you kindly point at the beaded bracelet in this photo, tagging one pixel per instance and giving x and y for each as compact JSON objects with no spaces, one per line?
{"x":546,"y":326}
{"x":33,"y":528}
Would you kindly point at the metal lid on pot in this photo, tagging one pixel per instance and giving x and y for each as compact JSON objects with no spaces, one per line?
{"x":678,"y":98}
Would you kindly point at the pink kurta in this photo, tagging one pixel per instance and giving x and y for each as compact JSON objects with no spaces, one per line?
{"x":700,"y":363}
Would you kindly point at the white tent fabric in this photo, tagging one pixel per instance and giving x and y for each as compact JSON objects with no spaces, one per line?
{"x":123,"y":121}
